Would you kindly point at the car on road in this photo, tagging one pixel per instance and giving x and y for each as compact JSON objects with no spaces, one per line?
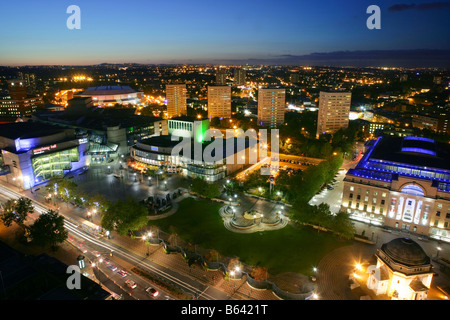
{"x":131,"y":284}
{"x":96,"y":253}
{"x":112,"y":267}
{"x":152,"y":291}
{"x":122,"y":272}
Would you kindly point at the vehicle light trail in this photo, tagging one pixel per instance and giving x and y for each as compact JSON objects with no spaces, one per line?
{"x":73,"y":229}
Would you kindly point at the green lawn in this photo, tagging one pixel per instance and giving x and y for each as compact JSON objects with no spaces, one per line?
{"x":285,"y":250}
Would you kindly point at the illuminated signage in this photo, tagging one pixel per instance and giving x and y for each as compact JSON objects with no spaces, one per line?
{"x":83,"y":140}
{"x":44,"y":149}
{"x":154,"y":148}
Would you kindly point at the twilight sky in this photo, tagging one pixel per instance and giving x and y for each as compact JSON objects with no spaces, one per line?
{"x":34,"y":32}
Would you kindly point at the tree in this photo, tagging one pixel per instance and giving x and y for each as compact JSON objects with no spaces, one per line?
{"x":343,"y":226}
{"x":259,"y":273}
{"x":212,"y":255}
{"x":173,"y":238}
{"x":208,"y":190}
{"x":99,"y":202}
{"x":321,"y":215}
{"x":49,"y":229}
{"x":125,"y":216}
{"x":16,"y":211}
{"x":212,"y":191}
{"x":233,"y":264}
{"x":64,"y":188}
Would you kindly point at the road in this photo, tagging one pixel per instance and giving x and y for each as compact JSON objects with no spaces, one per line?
{"x":96,"y":243}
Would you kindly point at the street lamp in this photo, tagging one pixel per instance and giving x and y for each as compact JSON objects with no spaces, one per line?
{"x":144,"y":237}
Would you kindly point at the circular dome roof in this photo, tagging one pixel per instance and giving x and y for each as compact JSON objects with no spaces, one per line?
{"x":405,"y":251}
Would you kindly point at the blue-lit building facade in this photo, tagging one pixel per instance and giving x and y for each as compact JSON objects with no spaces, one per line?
{"x":402,"y":183}
{"x":32,"y":153}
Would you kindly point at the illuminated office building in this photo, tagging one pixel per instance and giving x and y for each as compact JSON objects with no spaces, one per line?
{"x":19,"y":103}
{"x":402,"y":183}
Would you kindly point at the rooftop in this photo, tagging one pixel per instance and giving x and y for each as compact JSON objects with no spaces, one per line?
{"x":27,"y":130}
{"x":186,"y":119}
{"x":107,"y":90}
{"x":413,"y":151}
{"x":406,"y":251}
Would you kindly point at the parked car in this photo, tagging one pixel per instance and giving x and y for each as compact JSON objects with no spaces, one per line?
{"x":131,"y":284}
{"x":152,"y":291}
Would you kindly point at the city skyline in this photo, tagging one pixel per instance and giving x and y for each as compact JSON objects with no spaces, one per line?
{"x":288,"y":32}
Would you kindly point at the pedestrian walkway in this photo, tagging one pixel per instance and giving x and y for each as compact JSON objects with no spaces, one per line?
{"x":238,"y":289}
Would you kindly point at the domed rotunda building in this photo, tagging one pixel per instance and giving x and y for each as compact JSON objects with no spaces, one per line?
{"x":403,"y":271}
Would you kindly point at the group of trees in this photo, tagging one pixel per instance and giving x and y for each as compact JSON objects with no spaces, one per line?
{"x":123,"y":216}
{"x":321,"y":216}
{"x":298,"y":137}
{"x":67,"y":191}
{"x":47,"y":230}
{"x":298,"y":186}
{"x":205,"y":189}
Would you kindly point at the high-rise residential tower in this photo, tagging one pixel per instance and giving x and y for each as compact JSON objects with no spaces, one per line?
{"x":221,"y":77}
{"x":334,"y":108}
{"x":271,"y":106}
{"x":176,"y":100}
{"x":239,"y":77}
{"x":219,"y":101}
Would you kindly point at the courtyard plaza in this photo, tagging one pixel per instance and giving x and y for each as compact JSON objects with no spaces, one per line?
{"x":333,"y":272}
